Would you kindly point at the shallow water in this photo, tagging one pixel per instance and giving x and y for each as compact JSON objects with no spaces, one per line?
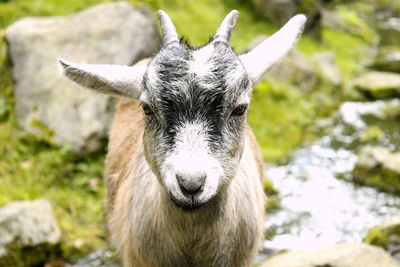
{"x":319,"y":206}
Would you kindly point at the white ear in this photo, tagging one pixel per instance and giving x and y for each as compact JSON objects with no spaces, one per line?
{"x":259,"y":60}
{"x":122,"y":81}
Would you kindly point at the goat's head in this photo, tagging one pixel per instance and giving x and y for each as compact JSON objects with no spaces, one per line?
{"x":195,"y":102}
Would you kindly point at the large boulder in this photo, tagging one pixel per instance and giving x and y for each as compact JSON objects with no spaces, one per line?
{"x":341,"y":255}
{"x":378,"y":84}
{"x":29,"y":233}
{"x":295,"y":69}
{"x":49,"y":105}
{"x":379,"y":167}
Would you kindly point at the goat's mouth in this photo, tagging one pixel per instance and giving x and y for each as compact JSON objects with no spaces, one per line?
{"x":186,"y":204}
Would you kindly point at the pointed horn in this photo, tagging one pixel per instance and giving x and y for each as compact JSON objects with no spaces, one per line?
{"x":168,"y":29}
{"x":259,"y":60}
{"x":224,"y":32}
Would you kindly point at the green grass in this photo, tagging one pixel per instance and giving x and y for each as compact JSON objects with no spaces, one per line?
{"x":281,"y":115}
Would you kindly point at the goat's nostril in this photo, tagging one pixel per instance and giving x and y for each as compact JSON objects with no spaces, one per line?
{"x":192,"y":184}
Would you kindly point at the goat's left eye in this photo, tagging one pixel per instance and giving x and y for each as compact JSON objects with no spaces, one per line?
{"x":239,"y":110}
{"x":146,"y":109}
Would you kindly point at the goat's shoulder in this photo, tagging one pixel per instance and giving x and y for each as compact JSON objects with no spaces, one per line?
{"x":125,"y":144}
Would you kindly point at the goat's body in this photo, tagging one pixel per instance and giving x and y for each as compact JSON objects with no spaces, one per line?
{"x":147,"y":229}
{"x":183,"y":170}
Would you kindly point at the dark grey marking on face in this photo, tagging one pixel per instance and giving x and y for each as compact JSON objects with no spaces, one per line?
{"x":178,"y":96}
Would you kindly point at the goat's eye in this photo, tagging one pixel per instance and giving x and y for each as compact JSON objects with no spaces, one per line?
{"x":146,"y":109}
{"x":239,"y":110}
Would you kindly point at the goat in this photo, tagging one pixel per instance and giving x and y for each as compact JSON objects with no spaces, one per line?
{"x":183,"y":169}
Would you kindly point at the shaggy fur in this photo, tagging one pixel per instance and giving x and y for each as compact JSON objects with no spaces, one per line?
{"x":149,"y":230}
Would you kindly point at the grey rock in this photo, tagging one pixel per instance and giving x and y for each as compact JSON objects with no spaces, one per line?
{"x":100,"y":258}
{"x":379,"y":167}
{"x":388,"y":59}
{"x":295,"y":69}
{"x":110,"y":33}
{"x":378,"y":84}
{"x":341,"y":255}
{"x":325,"y":63}
{"x":27,"y":224}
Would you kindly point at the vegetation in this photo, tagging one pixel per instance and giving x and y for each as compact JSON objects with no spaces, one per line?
{"x":282,"y":115}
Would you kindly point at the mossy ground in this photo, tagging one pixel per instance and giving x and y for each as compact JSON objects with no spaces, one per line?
{"x":282,"y":115}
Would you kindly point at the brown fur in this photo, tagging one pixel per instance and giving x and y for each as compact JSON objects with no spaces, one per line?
{"x":148,"y":230}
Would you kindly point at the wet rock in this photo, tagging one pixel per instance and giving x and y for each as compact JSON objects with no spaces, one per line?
{"x":295,"y":69}
{"x":379,"y":167}
{"x":325,"y":63}
{"x":48,"y":104}
{"x":341,"y":255}
{"x":29,"y":234}
{"x":100,"y":258}
{"x":378,"y":84}
{"x":388,"y":59}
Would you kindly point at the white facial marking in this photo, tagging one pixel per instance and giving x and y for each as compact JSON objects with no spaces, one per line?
{"x":199,"y":65}
{"x":191,"y":158}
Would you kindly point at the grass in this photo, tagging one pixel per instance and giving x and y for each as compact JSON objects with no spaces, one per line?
{"x":282,"y":115}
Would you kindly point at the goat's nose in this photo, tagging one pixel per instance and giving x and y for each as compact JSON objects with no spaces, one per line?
{"x":190,"y":184}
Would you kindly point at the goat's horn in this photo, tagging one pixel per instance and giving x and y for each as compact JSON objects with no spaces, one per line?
{"x":168,"y":28}
{"x":224,"y":32}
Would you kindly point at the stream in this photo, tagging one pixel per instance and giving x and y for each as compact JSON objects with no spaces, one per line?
{"x":319,"y":206}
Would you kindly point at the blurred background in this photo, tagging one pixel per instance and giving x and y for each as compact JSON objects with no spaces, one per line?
{"x":326,"y":117}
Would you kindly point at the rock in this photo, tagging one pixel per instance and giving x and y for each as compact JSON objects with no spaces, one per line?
{"x":388,"y":59}
{"x":295,"y":69}
{"x":377,"y":166}
{"x":389,"y":31}
{"x":46,"y":103}
{"x":100,"y":258}
{"x":378,"y":84}
{"x":29,"y":233}
{"x":280,"y":11}
{"x":325,"y":62}
{"x":340,"y":255}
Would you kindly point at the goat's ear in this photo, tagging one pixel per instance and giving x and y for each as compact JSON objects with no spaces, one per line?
{"x":260,"y":59}
{"x":121,"y":81}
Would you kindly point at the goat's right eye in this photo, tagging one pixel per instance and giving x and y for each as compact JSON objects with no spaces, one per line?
{"x":146,"y":109}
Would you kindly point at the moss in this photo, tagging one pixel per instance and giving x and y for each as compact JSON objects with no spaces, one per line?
{"x":382,"y":178}
{"x":376,"y":237}
{"x":272,"y":203}
{"x":269,"y":188}
{"x":380,"y":235}
{"x":373,"y":132}
{"x":21,"y":256}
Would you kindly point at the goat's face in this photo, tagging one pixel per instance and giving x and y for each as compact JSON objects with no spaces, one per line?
{"x":195,"y":103}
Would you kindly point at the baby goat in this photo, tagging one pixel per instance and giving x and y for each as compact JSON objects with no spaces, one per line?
{"x":183,"y":169}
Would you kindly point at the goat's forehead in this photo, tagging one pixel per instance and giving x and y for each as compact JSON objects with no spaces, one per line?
{"x":212,"y":67}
